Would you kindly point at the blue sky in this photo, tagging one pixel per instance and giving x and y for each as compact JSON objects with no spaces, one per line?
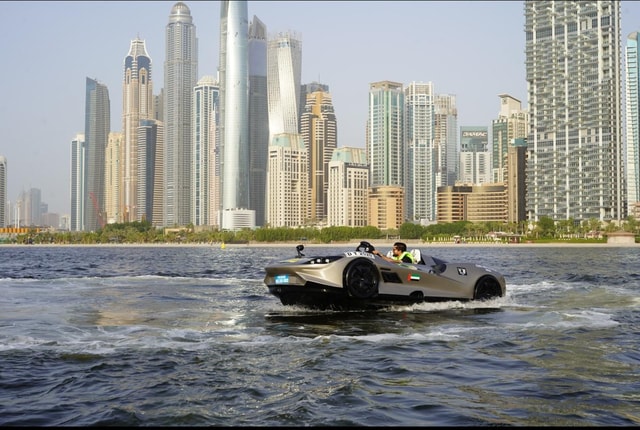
{"x":473,"y":49}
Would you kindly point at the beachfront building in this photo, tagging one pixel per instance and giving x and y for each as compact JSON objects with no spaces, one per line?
{"x":180,"y":77}
{"x":633,"y":124}
{"x":233,"y":76}
{"x":574,"y":141}
{"x":348,"y":187}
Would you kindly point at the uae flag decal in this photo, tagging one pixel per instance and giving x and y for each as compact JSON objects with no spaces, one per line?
{"x":414,"y":277}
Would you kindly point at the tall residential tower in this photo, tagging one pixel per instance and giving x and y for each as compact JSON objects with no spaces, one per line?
{"x":633,"y":124}
{"x":421,"y":186}
{"x":77,"y":183}
{"x":258,"y":119}
{"x":205,"y":204}
{"x":180,"y":77}
{"x":385,"y":134}
{"x":3,"y":191}
{"x":97,"y":125}
{"x":137,"y":105}
{"x":575,"y":156}
{"x":319,"y":130}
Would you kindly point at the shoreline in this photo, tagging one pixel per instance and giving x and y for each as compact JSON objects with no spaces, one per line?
{"x":378,"y":244}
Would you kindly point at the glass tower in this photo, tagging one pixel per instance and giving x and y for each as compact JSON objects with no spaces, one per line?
{"x":284,"y":76}
{"x":574,"y":140}
{"x":446,"y":140}
{"x":420,"y":193}
{"x":97,"y":124}
{"x":385,"y":134}
{"x":234,"y":99}
{"x":180,"y":77}
{"x":205,"y":110}
{"x":633,"y":125}
{"x":258,"y":119}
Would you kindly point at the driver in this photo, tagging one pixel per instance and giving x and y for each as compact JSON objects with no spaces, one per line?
{"x":400,"y":254}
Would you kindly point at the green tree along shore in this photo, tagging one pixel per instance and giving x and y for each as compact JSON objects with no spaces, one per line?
{"x":545,"y":230}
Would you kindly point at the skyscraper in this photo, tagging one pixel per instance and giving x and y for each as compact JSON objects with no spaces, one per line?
{"x":137,"y":105}
{"x":318,"y":128}
{"x":511,"y":124}
{"x":347,"y":195}
{"x":575,"y":156}
{"x":284,"y":74}
{"x":112,"y":176}
{"x":149,"y":137}
{"x":234,"y":102}
{"x":633,"y":124}
{"x":3,"y":191}
{"x":420,"y":191}
{"x":385,"y":134}
{"x":205,"y":111}
{"x":180,"y":76}
{"x":77,"y":183}
{"x":31,"y":204}
{"x":446,"y":139}
{"x":97,"y":124}
{"x":288,"y":181}
{"x":475,"y":157}
{"x":258,"y":119}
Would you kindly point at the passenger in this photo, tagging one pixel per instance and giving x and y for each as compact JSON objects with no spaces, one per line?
{"x":400,"y":254}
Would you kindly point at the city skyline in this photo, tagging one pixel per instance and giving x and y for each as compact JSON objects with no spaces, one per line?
{"x":37,"y":143}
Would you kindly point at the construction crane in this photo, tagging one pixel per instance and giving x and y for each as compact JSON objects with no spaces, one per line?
{"x":96,"y":206}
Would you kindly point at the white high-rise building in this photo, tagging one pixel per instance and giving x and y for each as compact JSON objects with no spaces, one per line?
{"x":475,"y":157}
{"x":421,"y":189}
{"x":205,"y":185}
{"x":347,"y":194}
{"x":288,"y":169}
{"x":284,"y":74}
{"x":112,"y":175}
{"x":446,"y":140}
{"x":137,"y":105}
{"x":511,"y":124}
{"x":575,"y":152}
{"x":633,"y":124}
{"x":77,"y":183}
{"x":180,"y":77}
{"x":3,"y":191}
{"x":287,"y":182}
{"x":234,"y":108}
{"x":386,"y":150}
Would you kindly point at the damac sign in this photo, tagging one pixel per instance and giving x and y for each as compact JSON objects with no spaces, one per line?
{"x":474,"y":134}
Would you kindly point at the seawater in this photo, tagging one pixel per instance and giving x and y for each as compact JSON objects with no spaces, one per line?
{"x":189,"y":335}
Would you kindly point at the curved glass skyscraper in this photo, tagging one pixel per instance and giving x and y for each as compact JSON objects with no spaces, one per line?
{"x":234,"y":97}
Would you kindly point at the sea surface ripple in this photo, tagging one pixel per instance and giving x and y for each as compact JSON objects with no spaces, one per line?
{"x":190,"y":336}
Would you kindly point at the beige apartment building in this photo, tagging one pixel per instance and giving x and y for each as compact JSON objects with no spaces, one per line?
{"x":475,"y":203}
{"x":386,"y":207}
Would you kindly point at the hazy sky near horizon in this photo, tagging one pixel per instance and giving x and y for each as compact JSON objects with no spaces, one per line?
{"x":472,"y":49}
